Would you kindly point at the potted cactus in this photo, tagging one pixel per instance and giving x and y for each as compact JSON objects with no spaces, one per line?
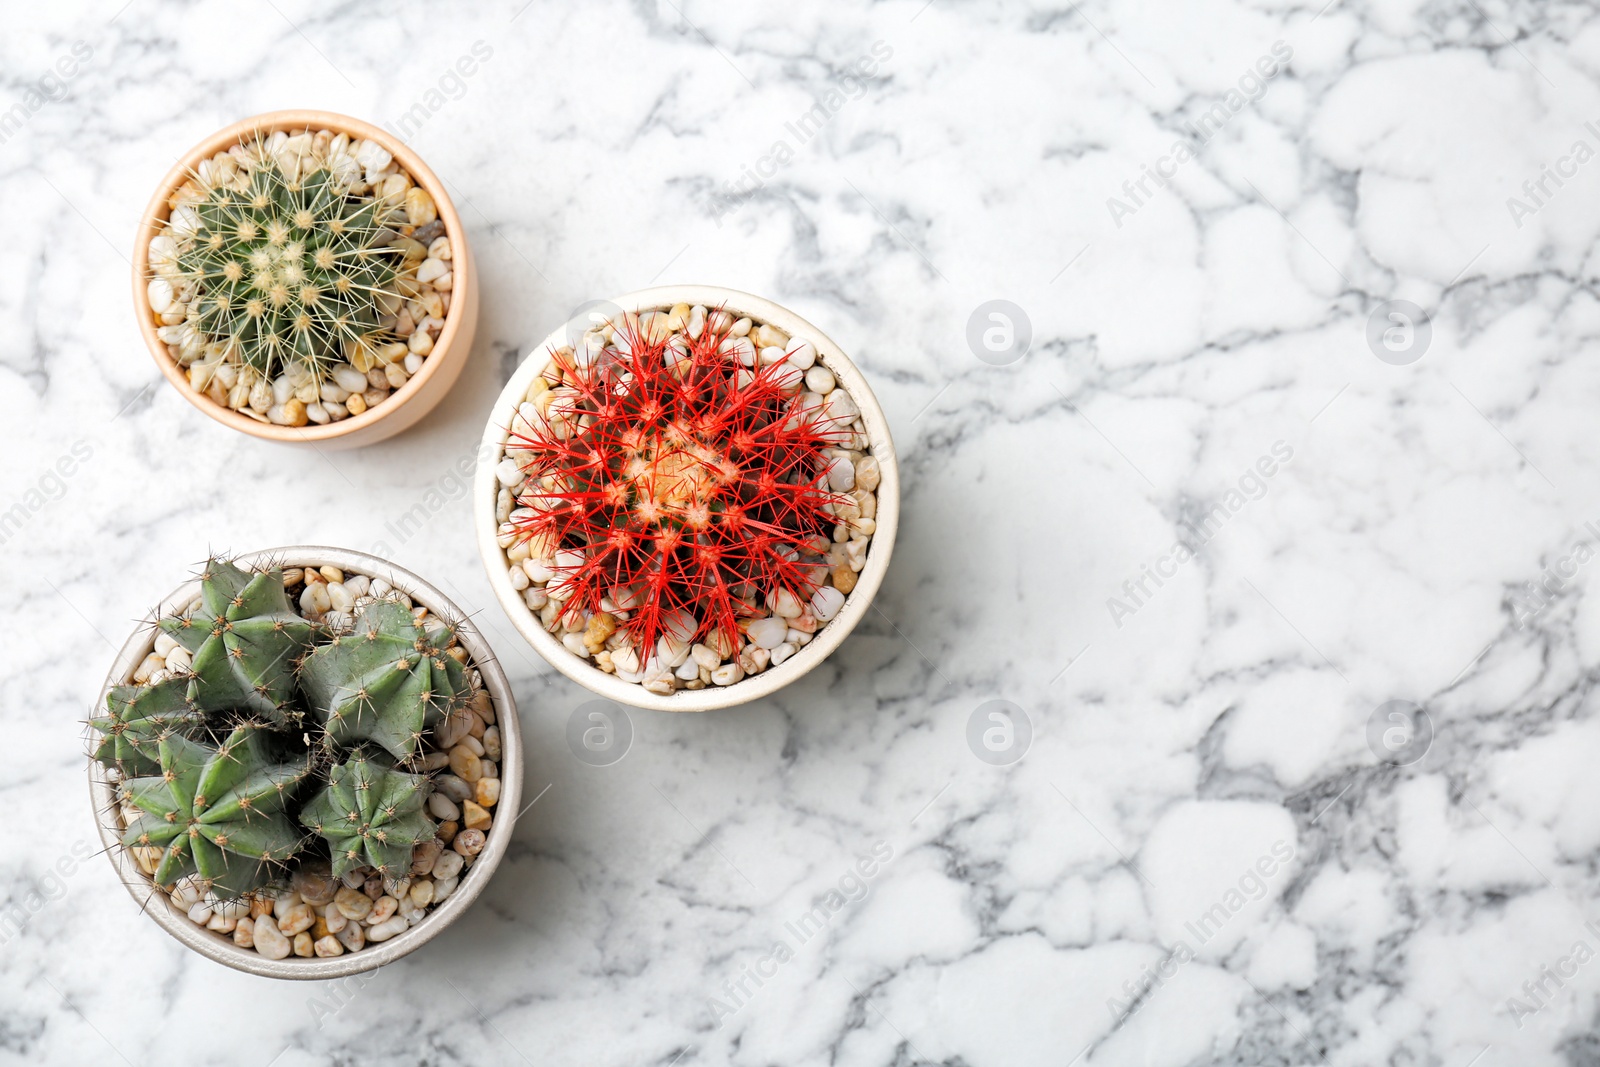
{"x":303,"y":277}
{"x":687,"y":501}
{"x":308,"y":765}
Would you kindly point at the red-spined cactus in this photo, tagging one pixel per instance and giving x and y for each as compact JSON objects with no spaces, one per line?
{"x":672,"y":480}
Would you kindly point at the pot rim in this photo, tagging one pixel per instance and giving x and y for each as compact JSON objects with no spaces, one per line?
{"x":220,"y":947}
{"x":465,"y":280}
{"x":827,"y":639}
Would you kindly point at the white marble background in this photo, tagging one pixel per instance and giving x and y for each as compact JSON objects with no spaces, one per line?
{"x":1226,"y":715}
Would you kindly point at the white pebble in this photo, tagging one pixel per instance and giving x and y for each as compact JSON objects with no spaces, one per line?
{"x":768,"y":633}
{"x":431,"y":270}
{"x":801,"y":353}
{"x":826,"y":602}
{"x":727,"y":674}
{"x":820,"y":380}
{"x":508,"y":472}
{"x":269,"y":940}
{"x":782,"y":652}
{"x":349,"y":379}
{"x":395,"y":924}
{"x":448,"y":865}
{"x":841,"y":475}
{"x":314,"y":599}
{"x":443,"y":807}
{"x":160,"y":294}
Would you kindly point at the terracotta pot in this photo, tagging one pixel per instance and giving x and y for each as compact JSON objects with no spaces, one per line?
{"x":827,"y":638}
{"x":220,"y":947}
{"x":411,"y":401}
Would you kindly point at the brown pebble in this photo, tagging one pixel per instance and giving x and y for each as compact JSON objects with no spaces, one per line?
{"x":475,"y":817}
{"x":447,"y":830}
{"x":464,"y":764}
{"x":602,"y":625}
{"x":844,"y":579}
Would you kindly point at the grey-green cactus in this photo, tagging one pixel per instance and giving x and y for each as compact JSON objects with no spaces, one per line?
{"x":137,"y":718}
{"x":386,"y":682}
{"x":287,"y":265}
{"x":370,"y":815}
{"x":217,"y":812}
{"x":245,"y":639}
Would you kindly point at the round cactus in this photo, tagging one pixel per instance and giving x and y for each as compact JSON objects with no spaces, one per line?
{"x":245,"y":639}
{"x":287,"y":266}
{"x":385,"y":683}
{"x":137,"y":718}
{"x":671,"y":480}
{"x":370,"y":815}
{"x":217,"y":812}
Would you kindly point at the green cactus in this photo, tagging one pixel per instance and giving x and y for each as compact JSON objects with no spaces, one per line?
{"x":217,"y":812}
{"x":245,"y":638}
{"x":288,"y":266}
{"x":386,"y":682}
{"x":137,"y":718}
{"x":370,"y":815}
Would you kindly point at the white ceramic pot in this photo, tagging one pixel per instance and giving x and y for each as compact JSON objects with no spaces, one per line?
{"x":220,"y":947}
{"x":828,"y":638}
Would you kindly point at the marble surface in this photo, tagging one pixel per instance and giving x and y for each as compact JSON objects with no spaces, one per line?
{"x":1218,"y":847}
